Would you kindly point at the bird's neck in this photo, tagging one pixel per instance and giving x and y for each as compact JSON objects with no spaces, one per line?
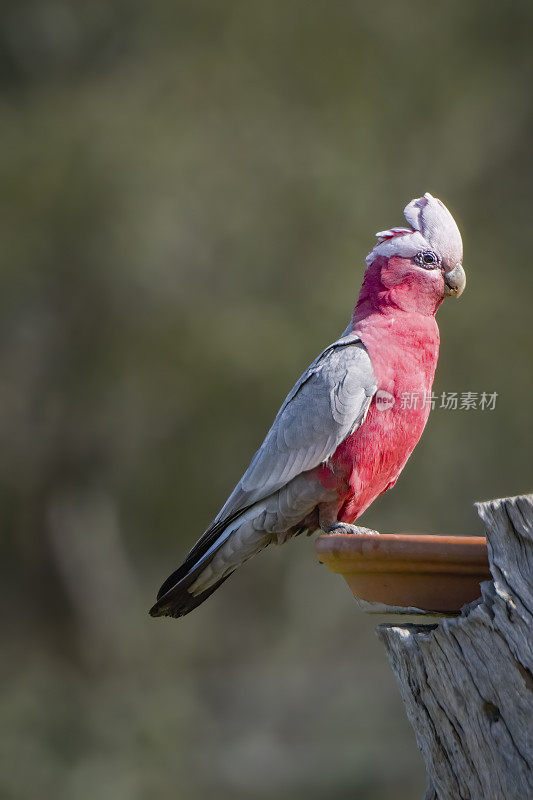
{"x":397,"y":339}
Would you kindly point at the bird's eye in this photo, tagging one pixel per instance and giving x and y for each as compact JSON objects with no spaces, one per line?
{"x":427,"y":259}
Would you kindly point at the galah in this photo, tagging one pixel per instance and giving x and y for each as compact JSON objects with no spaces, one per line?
{"x":348,"y":426}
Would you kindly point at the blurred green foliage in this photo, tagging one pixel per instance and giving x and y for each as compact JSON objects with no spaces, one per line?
{"x":189,"y":191}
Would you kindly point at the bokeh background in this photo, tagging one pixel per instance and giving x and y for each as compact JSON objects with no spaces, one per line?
{"x":188,"y":193}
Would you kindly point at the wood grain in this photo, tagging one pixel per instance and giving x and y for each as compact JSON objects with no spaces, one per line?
{"x":467,"y":683}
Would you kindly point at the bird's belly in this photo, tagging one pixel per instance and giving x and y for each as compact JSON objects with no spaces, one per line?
{"x":369,"y":461}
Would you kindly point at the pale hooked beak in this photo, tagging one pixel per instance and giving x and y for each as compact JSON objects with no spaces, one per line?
{"x":455,"y":281}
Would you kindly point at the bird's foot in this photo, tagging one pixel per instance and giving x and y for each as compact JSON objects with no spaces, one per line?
{"x":354,"y":530}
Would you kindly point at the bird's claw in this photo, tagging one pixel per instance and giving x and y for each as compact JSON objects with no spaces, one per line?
{"x":354,"y":530}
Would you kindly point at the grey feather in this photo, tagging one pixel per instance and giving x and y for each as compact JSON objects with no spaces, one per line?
{"x":328,"y":402}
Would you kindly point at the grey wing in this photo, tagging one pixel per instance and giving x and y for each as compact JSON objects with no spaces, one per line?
{"x":329,"y":402}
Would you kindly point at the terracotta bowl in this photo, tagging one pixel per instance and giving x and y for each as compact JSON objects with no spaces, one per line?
{"x":431,"y":573}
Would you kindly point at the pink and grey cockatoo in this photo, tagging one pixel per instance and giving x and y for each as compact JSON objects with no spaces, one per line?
{"x":343,"y":433}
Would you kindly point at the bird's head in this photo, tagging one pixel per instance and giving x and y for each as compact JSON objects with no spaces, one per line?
{"x":415,"y":268}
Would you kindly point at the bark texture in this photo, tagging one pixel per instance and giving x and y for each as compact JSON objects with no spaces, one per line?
{"x":467,"y":683}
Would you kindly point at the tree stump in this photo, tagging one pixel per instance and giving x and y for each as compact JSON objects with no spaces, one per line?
{"x":467,"y":682}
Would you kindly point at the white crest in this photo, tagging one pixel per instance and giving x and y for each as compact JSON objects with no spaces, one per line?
{"x":433,"y":228}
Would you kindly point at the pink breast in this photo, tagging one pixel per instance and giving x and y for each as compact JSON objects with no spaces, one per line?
{"x":369,"y":461}
{"x":372,"y":458}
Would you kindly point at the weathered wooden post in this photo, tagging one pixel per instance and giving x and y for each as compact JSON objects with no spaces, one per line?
{"x":467,"y":682}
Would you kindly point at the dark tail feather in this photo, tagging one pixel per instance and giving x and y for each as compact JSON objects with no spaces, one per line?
{"x":173,"y":599}
{"x":178,"y":602}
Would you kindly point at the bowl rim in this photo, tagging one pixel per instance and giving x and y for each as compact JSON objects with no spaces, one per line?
{"x":403,"y":552}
